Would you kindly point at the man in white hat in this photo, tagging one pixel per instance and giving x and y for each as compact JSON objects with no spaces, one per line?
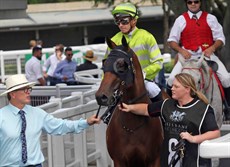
{"x":21,"y":125}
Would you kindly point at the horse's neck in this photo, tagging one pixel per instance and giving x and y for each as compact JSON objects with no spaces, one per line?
{"x":136,"y":93}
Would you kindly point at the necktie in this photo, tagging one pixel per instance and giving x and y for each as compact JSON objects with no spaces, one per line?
{"x":194,"y":17}
{"x":23,"y":136}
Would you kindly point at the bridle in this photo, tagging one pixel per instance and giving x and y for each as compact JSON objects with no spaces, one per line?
{"x":202,"y":84}
{"x":120,"y":63}
{"x":201,"y":71}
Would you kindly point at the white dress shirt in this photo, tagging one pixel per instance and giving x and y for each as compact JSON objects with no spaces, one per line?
{"x":33,"y":70}
{"x":180,"y":23}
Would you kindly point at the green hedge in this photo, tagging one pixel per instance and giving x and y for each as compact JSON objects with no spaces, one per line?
{"x":169,"y":66}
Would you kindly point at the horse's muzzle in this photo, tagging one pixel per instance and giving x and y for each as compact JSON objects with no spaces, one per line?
{"x":104,"y":100}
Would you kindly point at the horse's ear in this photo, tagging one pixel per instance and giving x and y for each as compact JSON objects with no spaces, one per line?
{"x":110,"y":43}
{"x":124,"y":43}
{"x":200,"y":60}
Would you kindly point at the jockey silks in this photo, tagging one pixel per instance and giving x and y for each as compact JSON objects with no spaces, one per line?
{"x":145,"y":47}
{"x":196,"y":33}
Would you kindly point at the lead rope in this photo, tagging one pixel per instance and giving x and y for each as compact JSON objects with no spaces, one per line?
{"x":179,"y":152}
{"x":98,"y":111}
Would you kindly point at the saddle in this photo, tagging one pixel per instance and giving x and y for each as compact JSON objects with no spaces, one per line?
{"x":179,"y":152}
{"x":213,"y":65}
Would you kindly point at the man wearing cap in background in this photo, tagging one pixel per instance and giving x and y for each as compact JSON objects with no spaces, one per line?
{"x":142,"y":43}
{"x":33,"y":67}
{"x":21,"y":125}
{"x":88,"y":65}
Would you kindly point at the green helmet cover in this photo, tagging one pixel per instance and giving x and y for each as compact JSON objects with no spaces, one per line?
{"x":125,"y":9}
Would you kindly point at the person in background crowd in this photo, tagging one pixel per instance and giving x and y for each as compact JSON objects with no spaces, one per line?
{"x":33,"y":67}
{"x":88,"y":65}
{"x":32,"y":43}
{"x":65,"y":69}
{"x":39,"y":42}
{"x":186,"y":116}
{"x":21,"y":125}
{"x":51,"y":64}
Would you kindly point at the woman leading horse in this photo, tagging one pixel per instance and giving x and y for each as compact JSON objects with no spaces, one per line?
{"x":132,"y":140}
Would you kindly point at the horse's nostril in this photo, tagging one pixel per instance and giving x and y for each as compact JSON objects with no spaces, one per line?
{"x":104,"y":99}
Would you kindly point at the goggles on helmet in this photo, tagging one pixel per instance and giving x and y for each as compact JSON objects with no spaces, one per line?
{"x":123,"y":21}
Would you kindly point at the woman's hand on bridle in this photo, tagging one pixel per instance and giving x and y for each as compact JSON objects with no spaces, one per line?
{"x":124,"y":107}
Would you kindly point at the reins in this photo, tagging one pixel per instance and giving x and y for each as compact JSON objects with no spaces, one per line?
{"x":137,"y":98}
{"x":179,"y":152}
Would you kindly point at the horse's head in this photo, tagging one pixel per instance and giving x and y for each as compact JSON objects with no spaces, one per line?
{"x":199,"y":69}
{"x":118,"y":71}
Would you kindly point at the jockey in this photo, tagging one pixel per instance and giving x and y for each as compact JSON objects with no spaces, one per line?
{"x":196,"y":32}
{"x":142,"y":43}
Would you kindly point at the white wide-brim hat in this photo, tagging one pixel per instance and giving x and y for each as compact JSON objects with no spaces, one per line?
{"x":15,"y":82}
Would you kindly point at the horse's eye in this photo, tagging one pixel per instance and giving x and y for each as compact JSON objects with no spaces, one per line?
{"x":120,"y":66}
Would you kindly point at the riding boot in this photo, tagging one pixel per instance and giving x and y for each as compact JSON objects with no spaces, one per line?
{"x":157,"y":98}
{"x":168,"y":90}
{"x":227,"y":98}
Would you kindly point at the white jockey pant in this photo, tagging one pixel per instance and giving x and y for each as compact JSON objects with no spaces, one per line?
{"x":222,"y":72}
{"x":152,"y":89}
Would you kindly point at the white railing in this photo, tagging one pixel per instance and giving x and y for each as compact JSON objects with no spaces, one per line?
{"x":19,"y":57}
{"x":217,"y":148}
{"x":42,"y":94}
{"x":75,"y":149}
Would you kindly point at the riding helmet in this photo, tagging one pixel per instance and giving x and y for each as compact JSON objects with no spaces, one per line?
{"x":125,"y":10}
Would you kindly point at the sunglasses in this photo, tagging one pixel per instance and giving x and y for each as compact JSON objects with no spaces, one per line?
{"x":69,"y":54}
{"x":123,"y":21}
{"x":191,"y":2}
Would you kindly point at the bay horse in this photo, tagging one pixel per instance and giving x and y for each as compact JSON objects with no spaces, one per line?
{"x":132,"y":140}
{"x":206,"y":82}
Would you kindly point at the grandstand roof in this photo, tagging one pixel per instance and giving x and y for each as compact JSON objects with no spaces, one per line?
{"x":65,"y":18}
